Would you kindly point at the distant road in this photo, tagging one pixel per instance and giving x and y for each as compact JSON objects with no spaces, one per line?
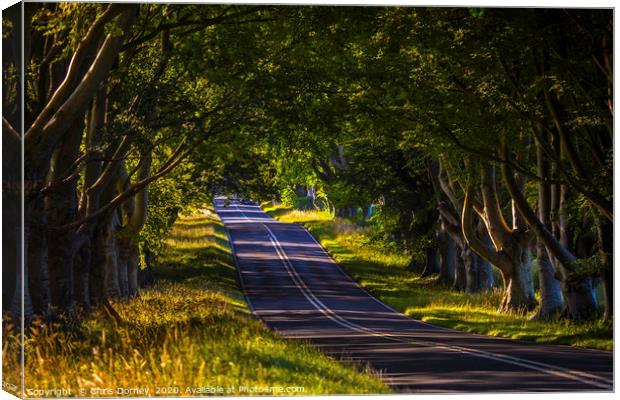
{"x":299,"y":291}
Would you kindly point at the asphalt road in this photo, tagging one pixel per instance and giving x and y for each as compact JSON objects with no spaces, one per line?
{"x":294,"y":286}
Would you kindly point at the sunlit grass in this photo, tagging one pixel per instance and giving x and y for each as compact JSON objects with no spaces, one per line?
{"x":191,"y":329}
{"x":384,"y":273}
{"x":303,"y":216}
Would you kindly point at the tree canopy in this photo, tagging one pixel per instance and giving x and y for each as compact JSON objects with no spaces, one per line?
{"x":478,"y":139}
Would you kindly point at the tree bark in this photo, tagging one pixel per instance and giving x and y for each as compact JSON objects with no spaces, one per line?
{"x":133,"y":267}
{"x":606,"y":246}
{"x":49,"y":128}
{"x":469,"y":272}
{"x":431,"y":266}
{"x":81,"y":276}
{"x":21,"y":304}
{"x":447,"y":257}
{"x":551,"y":300}
{"x":462,"y":270}
{"x":577,"y":287}
{"x":135,"y":210}
{"x":99,"y":261}
{"x":12,"y":183}
{"x":510,"y":249}
{"x":473,"y":278}
{"x":519,"y":294}
{"x":37,"y":258}
{"x":61,"y":208}
{"x":104,"y":270}
{"x":110,"y":250}
{"x":486,"y":279}
{"x":485,"y":269}
{"x":145,"y":276}
{"x":122,"y":257}
{"x":11,"y":247}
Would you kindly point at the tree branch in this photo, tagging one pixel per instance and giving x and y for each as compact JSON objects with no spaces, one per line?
{"x":46,"y":138}
{"x":63,"y":91}
{"x":496,"y":258}
{"x":13,"y":135}
{"x":493,"y":217}
{"x":112,"y":167}
{"x":174,"y":160}
{"x":553,"y":245}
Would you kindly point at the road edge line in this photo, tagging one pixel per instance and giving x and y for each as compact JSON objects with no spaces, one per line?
{"x":533,"y":365}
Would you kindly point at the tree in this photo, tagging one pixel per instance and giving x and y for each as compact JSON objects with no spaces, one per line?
{"x":460,"y":126}
{"x":109,"y":96}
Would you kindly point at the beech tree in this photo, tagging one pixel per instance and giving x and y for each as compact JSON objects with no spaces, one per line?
{"x":110,"y":108}
{"x":458,"y":99}
{"x":481,"y":138}
{"x":452,"y":83}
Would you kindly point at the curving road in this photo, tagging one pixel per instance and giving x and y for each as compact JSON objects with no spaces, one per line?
{"x":293,"y":285}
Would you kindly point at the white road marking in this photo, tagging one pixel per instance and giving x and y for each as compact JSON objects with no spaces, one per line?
{"x":584,"y":374}
{"x":534,"y":365}
{"x":332,"y":315}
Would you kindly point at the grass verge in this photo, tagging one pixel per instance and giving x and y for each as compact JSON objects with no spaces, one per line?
{"x":189,"y":334}
{"x":383,"y":272}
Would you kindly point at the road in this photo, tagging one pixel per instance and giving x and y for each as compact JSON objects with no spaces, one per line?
{"x":293,"y":285}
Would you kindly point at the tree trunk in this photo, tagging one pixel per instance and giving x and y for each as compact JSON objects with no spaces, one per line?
{"x":99,"y":250}
{"x":472,"y":270}
{"x":551,"y":301}
{"x":60,"y":209}
{"x":135,"y":211}
{"x":510,"y":247}
{"x":605,"y":230}
{"x":133,"y":266}
{"x":62,"y":275}
{"x":431,"y":266}
{"x":21,"y":305}
{"x":12,"y":187}
{"x":579,"y":298}
{"x":11,"y":248}
{"x":123,"y":254}
{"x":81,"y":277}
{"x":447,"y":257}
{"x":486,"y":279}
{"x":110,"y":249}
{"x":519,"y":294}
{"x":468,"y":272}
{"x":38,"y":277}
{"x":577,"y":284}
{"x":460,"y":272}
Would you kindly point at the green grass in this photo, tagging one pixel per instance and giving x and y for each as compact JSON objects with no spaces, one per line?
{"x":191,"y":329}
{"x":383,"y":272}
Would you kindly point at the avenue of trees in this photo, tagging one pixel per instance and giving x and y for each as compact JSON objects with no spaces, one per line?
{"x":479,"y":140}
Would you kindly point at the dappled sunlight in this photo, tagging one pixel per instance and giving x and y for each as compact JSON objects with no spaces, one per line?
{"x":198,"y":233}
{"x":194,"y":220}
{"x":196,"y":244}
{"x":487,"y":320}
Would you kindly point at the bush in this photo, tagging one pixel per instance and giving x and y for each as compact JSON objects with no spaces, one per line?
{"x":288,"y":196}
